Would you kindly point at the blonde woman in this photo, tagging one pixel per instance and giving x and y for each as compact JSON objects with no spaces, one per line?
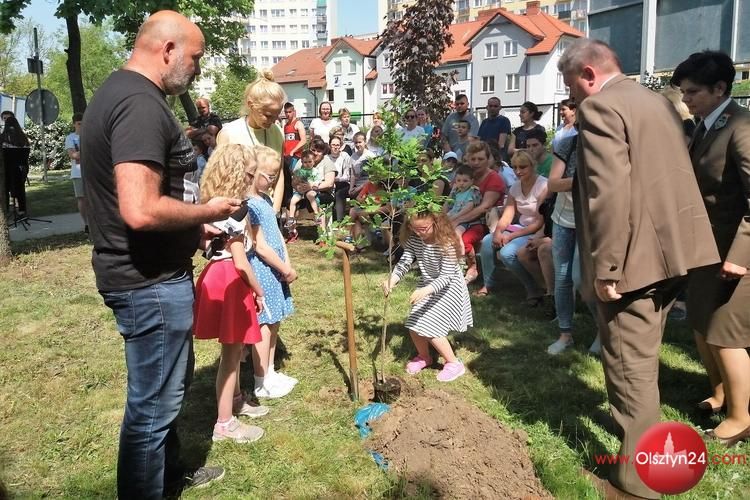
{"x":674,"y":96}
{"x":263,"y":101}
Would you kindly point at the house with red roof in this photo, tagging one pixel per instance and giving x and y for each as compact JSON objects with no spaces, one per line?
{"x":303,"y":77}
{"x":514,"y":57}
{"x":350,"y":74}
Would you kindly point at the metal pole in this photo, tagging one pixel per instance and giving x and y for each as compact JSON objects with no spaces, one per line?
{"x":41,"y":104}
{"x":351,"y":344}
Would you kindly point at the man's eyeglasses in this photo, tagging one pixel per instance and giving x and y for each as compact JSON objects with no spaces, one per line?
{"x":411,"y":117}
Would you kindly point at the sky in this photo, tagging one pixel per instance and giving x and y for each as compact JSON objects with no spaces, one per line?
{"x":42,"y":13}
{"x":356,"y":17}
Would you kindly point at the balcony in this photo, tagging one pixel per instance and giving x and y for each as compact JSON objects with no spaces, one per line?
{"x":565,"y":14}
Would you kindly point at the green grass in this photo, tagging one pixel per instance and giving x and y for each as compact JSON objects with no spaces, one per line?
{"x":51,"y":198}
{"x":62,"y":387}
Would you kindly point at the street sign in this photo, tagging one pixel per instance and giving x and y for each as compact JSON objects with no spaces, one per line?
{"x":45,"y":100}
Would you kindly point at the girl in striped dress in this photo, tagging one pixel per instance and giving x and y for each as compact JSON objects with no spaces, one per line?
{"x":441,"y":303}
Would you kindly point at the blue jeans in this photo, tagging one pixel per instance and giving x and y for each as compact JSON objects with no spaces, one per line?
{"x":563,"y":254}
{"x":156,"y":323}
{"x":507,"y":254}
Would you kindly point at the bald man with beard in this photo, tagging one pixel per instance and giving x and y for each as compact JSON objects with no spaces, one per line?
{"x":146,"y":226}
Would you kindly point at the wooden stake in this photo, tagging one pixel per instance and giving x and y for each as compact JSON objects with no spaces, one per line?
{"x":351,"y":344}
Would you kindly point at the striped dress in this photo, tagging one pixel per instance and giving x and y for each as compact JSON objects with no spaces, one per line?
{"x":448,"y":309}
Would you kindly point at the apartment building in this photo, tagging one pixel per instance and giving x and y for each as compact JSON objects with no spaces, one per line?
{"x":572,"y":12}
{"x":276,"y":29}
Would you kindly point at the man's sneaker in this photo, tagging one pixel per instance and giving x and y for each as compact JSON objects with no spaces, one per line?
{"x":451,"y":371}
{"x":236,"y":431}
{"x":203,"y":476}
{"x":596,"y":347}
{"x":283,"y":379}
{"x":241,"y":407}
{"x":272,"y":389}
{"x":559,"y":346}
{"x":417,"y":364}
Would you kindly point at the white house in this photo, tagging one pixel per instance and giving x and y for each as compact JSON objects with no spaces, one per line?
{"x":349,"y":67}
{"x":515,"y":57}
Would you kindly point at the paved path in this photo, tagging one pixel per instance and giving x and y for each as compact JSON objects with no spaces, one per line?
{"x":59,"y":224}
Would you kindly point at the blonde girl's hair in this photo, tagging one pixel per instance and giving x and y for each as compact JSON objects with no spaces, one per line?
{"x":265,"y":159}
{"x":675,"y":97}
{"x":523,"y":157}
{"x":225,"y":172}
{"x":444,"y":233}
{"x":261,"y":91}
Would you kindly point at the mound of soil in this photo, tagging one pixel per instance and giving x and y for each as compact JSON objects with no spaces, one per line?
{"x":444,"y":445}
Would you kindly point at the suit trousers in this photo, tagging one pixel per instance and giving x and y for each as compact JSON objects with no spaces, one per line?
{"x":631,"y":330}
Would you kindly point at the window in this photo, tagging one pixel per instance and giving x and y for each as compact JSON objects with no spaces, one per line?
{"x":263,"y":14}
{"x":277,"y":59}
{"x":279,"y":44}
{"x":387,"y":89}
{"x":488,"y":84}
{"x":250,"y":28}
{"x":292,"y":28}
{"x":264,"y":60}
{"x":277,"y":28}
{"x":561,"y":87}
{"x":545,"y":9}
{"x":305,"y":44}
{"x":293,"y":44}
{"x":477,"y":3}
{"x":304,"y":28}
{"x":561,"y":46}
{"x":562,"y":7}
{"x":292,"y":12}
{"x":303,"y":12}
{"x":352,"y":66}
{"x":277,"y":12}
{"x":387,"y":60}
{"x":329,"y":95}
{"x":511,"y":82}
{"x":264,"y":44}
{"x":490,"y":50}
{"x":510,"y":48}
{"x":254,"y":61}
{"x":337,"y":68}
{"x":264,"y":28}
{"x":252,"y":44}
{"x":349,"y":94}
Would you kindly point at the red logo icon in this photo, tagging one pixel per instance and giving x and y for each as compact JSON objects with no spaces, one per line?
{"x":671,"y":458}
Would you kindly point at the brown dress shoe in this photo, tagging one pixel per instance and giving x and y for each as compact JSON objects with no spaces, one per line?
{"x":608,"y":490}
{"x":729,"y":441}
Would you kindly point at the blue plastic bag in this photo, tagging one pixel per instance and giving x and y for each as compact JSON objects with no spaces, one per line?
{"x":372,"y":411}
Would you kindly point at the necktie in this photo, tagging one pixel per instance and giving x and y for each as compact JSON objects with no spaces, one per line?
{"x":698,"y":135}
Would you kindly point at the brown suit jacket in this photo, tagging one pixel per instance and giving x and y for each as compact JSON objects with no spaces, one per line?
{"x":640,"y":216}
{"x":722,"y":167}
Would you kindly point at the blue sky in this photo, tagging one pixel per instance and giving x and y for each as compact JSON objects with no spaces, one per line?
{"x":42,"y":13}
{"x":356,"y":17}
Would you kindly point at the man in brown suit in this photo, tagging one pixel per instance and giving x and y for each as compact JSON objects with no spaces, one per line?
{"x":641,"y":219}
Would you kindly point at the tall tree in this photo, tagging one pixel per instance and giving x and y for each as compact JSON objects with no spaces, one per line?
{"x":228,"y":98}
{"x":105,"y":52}
{"x":416,"y":43}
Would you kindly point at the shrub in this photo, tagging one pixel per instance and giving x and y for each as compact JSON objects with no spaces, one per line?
{"x":54,"y":137}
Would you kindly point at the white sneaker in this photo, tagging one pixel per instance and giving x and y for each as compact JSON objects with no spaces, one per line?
{"x":272,"y":390}
{"x":282,"y":378}
{"x":243,"y":408}
{"x":559,"y":346}
{"x":236,"y":431}
{"x":596,"y":347}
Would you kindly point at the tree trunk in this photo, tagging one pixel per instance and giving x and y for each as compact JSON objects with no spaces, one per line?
{"x":5,"y":253}
{"x":73,"y":65}
{"x":189,"y":105}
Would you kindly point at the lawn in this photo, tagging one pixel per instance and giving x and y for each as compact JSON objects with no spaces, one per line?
{"x":51,"y":198}
{"x":63,"y":378}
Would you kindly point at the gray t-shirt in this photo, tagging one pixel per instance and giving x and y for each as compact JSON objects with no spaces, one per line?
{"x":449,"y":127}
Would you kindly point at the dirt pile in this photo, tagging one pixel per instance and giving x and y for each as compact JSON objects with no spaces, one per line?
{"x":443,"y":445}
